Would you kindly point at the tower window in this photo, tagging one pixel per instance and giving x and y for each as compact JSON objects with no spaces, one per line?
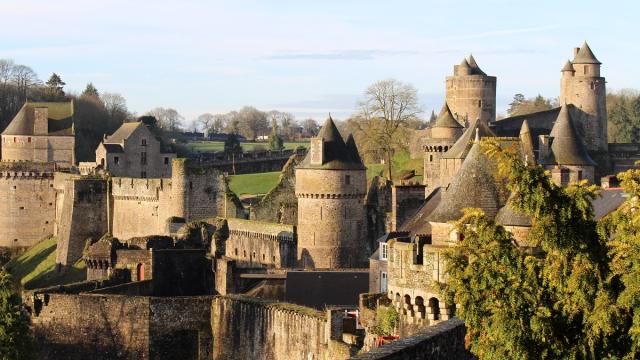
{"x":430,"y":158}
{"x":586,"y":69}
{"x":479,"y":103}
{"x":116,"y":160}
{"x":143,"y":158}
{"x":579,"y":175}
{"x":166,"y":160}
{"x":347,"y":179}
{"x":144,"y":142}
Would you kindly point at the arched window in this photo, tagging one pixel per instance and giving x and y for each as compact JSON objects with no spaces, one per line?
{"x":140,"y":272}
{"x":434,"y":308}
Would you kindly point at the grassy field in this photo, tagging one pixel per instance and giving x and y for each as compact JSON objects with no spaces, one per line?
{"x":254,"y":184}
{"x":210,"y":146}
{"x":36,"y":268}
{"x":261,"y":183}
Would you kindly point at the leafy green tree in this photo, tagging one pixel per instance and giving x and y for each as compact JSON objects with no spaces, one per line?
{"x":15,"y":335}
{"x":232,"y":144}
{"x":275,"y":141}
{"x":624,"y":116}
{"x":556,"y":303}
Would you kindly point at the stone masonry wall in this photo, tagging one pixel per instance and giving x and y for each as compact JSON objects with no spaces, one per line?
{"x":27,"y":209}
{"x":280,"y":205}
{"x":443,"y":341}
{"x":255,"y":243}
{"x":248,"y":328}
{"x":83,"y":215}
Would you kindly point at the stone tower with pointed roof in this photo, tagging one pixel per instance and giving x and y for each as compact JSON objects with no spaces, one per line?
{"x":582,"y":86}
{"x":564,"y":152}
{"x":470,"y":93}
{"x":331,"y":185}
{"x":444,"y":132}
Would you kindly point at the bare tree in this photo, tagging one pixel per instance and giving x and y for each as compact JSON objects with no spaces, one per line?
{"x":205,"y":121}
{"x":168,"y":119}
{"x":310,"y":127}
{"x":219,"y":122}
{"x":388,"y":106}
{"x":116,"y":107}
{"x":252,"y":122}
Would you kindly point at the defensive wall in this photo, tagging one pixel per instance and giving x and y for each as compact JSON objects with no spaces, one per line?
{"x":143,"y":207}
{"x":250,"y":328}
{"x":101,"y":325}
{"x":280,"y":205}
{"x":249,"y":162}
{"x":27,"y":209}
{"x":256,"y":243}
{"x":443,"y":341}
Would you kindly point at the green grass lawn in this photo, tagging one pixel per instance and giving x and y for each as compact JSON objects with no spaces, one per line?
{"x":210,"y":146}
{"x":254,"y":184}
{"x":261,"y":183}
{"x":36,"y":268}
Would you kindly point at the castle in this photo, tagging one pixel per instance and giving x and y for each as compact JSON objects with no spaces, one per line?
{"x":176,"y":268}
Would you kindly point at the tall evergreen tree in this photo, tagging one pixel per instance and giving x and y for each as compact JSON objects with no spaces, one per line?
{"x":275,"y":141}
{"x":55,"y":85}
{"x":90,"y":90}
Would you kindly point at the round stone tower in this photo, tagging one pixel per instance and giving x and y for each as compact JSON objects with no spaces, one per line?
{"x":582,"y":86}
{"x":470,"y":93}
{"x":180,"y":188}
{"x":444,"y":133}
{"x":330,"y":186}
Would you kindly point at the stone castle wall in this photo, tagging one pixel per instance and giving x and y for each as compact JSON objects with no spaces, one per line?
{"x":38,"y":148}
{"x":105,"y":326}
{"x":275,"y":331}
{"x":472,"y":97}
{"x":254,"y":243}
{"x":280,"y":205}
{"x":83,"y":215}
{"x":331,"y":218}
{"x":28,"y":206}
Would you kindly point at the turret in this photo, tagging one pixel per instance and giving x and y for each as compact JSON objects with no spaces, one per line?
{"x":471,"y":93}
{"x":330,"y":187}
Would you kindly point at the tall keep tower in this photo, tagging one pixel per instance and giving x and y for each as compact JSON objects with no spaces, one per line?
{"x":470,"y":93}
{"x":582,"y":86}
{"x":330,"y":186}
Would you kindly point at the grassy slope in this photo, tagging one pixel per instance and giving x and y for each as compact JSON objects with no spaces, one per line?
{"x":204,"y":146}
{"x":259,"y":183}
{"x":36,"y":267}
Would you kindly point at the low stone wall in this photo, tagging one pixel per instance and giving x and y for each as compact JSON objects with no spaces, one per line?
{"x":442,"y":341}
{"x":249,"y":328}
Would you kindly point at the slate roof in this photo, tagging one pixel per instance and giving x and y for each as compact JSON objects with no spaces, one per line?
{"x":509,"y":216}
{"x":113,"y":148}
{"x":585,"y":56}
{"x":60,"y":119}
{"x":568,"y":66}
{"x":337,"y":154}
{"x":445,"y":119}
{"x":608,"y":201}
{"x":474,"y":186}
{"x":567,"y":147}
{"x":475,"y":69}
{"x":124,"y":131}
{"x":462,"y":146}
{"x":418,"y":224}
{"x":526,"y":143}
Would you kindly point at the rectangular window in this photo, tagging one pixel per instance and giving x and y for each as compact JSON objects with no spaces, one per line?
{"x":116,"y":160}
{"x":166,"y":160}
{"x":384,"y":251}
{"x":579,"y":175}
{"x":347,"y":179}
{"x":144,"y":142}
{"x":29,"y":139}
{"x":143,"y":158}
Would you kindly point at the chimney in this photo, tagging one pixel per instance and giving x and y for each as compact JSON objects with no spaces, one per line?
{"x":41,"y":121}
{"x":575,"y":51}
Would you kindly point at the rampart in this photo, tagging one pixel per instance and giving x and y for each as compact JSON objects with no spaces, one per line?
{"x":249,"y":162}
{"x":27,"y":209}
{"x":280,"y":205}
{"x":256,"y":243}
{"x":250,"y":328}
{"x":443,"y":341}
{"x":111,"y":326}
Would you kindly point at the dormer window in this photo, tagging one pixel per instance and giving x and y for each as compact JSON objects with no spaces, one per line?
{"x":144,"y":142}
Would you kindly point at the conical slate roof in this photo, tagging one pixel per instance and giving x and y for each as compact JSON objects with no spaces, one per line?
{"x":475,"y":69}
{"x":567,"y":147}
{"x":464,"y":64}
{"x":473,"y":187}
{"x":568,"y":66}
{"x":445,"y":119}
{"x":509,"y":216}
{"x":526,"y":143}
{"x":336,"y":154}
{"x":352,"y":150}
{"x":462,"y":146}
{"x":585,"y":56}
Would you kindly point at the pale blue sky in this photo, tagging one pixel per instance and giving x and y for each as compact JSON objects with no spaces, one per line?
{"x":310,"y":57}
